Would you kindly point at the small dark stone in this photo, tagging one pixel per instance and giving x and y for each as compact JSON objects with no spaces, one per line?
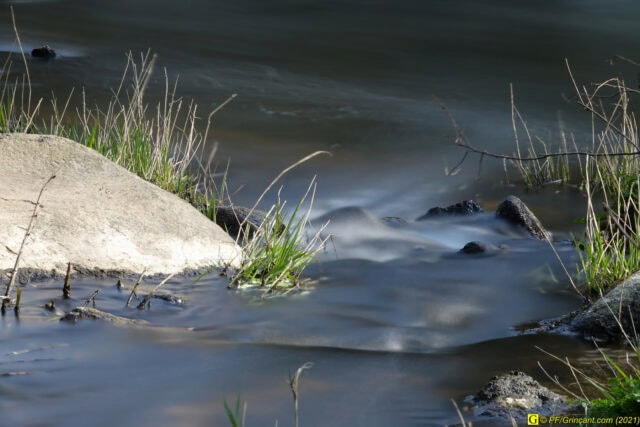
{"x":513,"y":210}
{"x":474,"y":248}
{"x":44,"y":52}
{"x":72,"y":316}
{"x":466,"y":207}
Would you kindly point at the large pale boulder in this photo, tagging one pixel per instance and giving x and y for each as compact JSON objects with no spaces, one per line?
{"x":97,"y":215}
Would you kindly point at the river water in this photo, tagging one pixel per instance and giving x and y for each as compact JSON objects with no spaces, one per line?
{"x":397,"y":323}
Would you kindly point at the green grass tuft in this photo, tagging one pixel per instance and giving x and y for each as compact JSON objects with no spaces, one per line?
{"x":235,"y":416}
{"x":612,"y":233}
{"x":610,"y":171}
{"x":159,"y":146}
{"x":280,"y":250}
{"x":620,"y":398}
{"x":163,"y":145}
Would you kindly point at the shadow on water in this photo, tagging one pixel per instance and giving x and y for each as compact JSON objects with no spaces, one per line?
{"x":170,"y":377}
{"x":94,"y":373}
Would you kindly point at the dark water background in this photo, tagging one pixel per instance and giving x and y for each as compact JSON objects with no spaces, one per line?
{"x":397,"y":323}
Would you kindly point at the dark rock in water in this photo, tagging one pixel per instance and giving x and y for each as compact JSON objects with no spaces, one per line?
{"x":466,"y":207}
{"x":474,"y":248}
{"x":555,"y":325}
{"x":600,"y":319}
{"x":241,"y":223}
{"x":233,"y":219}
{"x":171,"y":299}
{"x":483,"y":249}
{"x":516,"y":395}
{"x":80,"y":313}
{"x":44,"y":52}
{"x":516,"y":212}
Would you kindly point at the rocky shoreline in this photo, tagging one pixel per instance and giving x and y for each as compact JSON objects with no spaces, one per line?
{"x":609,"y":319}
{"x":118,"y":240}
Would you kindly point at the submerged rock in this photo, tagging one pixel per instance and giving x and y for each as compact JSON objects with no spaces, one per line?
{"x":617,"y":311}
{"x":513,"y":210}
{"x":80,"y":313}
{"x":466,"y":207}
{"x":515,"y":395}
{"x":44,"y":52}
{"x":354,"y":232}
{"x":474,"y":248}
{"x":97,"y":215}
{"x":395,"y":221}
{"x":238,"y":221}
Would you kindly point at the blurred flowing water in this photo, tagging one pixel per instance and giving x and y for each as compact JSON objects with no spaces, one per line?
{"x":397,"y":322}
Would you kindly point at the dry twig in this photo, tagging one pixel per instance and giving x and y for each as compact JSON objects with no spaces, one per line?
{"x":147,"y":299}
{"x":14,"y":271}
{"x":584,"y":99}
{"x":135,"y":287}
{"x":293,"y":385}
{"x":66,"y":288}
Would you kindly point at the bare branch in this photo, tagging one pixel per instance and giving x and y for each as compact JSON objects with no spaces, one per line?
{"x":135,"y":287}
{"x":584,"y":99}
{"x":469,"y":147}
{"x":14,"y":272}
{"x":147,"y":299}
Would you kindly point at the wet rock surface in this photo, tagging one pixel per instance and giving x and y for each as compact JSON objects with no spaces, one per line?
{"x":241,"y":223}
{"x":615,"y":312}
{"x":237,"y":219}
{"x":516,"y":394}
{"x":481,"y":248}
{"x":80,"y":313}
{"x":513,"y":210}
{"x":606,"y":320}
{"x":44,"y":52}
{"x":474,"y":248}
{"x":466,"y":207}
